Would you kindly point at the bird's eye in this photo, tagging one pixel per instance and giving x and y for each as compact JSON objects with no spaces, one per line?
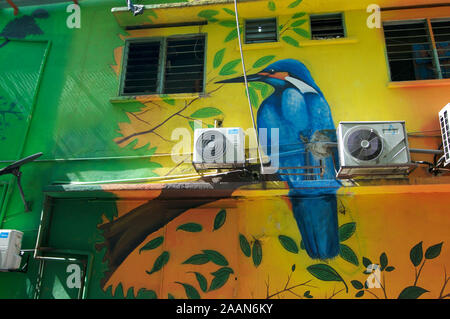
{"x":272,"y":71}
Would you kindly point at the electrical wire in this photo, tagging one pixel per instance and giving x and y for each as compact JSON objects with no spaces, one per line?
{"x":246,"y":84}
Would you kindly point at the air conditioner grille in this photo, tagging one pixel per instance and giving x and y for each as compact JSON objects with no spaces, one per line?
{"x":212,"y":146}
{"x":364,"y":144}
{"x":445,"y":134}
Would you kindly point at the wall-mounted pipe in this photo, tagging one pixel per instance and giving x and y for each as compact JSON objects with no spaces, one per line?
{"x":422,"y":151}
{"x":12,"y":4}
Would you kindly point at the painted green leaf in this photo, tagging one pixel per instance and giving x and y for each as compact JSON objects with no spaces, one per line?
{"x":146,"y":294}
{"x":301,"y":32}
{"x":190,"y":227}
{"x":307,"y":294}
{"x":271,"y":5}
{"x":170,"y":296}
{"x":302,"y":245}
{"x":220,"y":219}
{"x":152,"y":13}
{"x":357,"y":284}
{"x":203,"y":284}
{"x":262,"y":87}
{"x":216,"y":257}
{"x":359,"y":294}
{"x":294,"y":4}
{"x":229,"y":11}
{"x":222,"y":271}
{"x":206,"y":112}
{"x":383,"y":261}
{"x":346,"y":231}
{"x":159,"y":262}
{"x":167,"y":99}
{"x":257,"y":253}
{"x":298,"y":15}
{"x":412,"y":292}
{"x":254,"y":100}
{"x":288,"y":243}
{"x":416,"y":254}
{"x":325,"y":273}
{"x":390,"y":268}
{"x":219,"y":281}
{"x":366,"y":262}
{"x":199,"y":259}
{"x":433,"y":251}
{"x":218,"y":58}
{"x":193,"y":127}
{"x":348,"y":255}
{"x":207,"y":14}
{"x":263,"y":61}
{"x":245,"y":246}
{"x":154,"y":243}
{"x":232,"y":35}
{"x":228,"y":23}
{"x":291,"y":41}
{"x":191,"y":292}
{"x":228,"y":68}
{"x":298,"y":23}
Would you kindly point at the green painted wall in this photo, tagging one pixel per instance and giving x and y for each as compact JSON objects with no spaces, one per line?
{"x":60,"y":83}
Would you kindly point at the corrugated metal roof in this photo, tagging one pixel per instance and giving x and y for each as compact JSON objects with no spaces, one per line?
{"x":194,"y":3}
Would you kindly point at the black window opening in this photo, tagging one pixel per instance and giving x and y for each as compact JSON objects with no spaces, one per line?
{"x":441,"y":32}
{"x":164,"y":66}
{"x":330,"y":26}
{"x":261,"y":30}
{"x":417,"y":52}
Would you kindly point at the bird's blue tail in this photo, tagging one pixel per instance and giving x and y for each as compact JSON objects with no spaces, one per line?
{"x":316,"y":218}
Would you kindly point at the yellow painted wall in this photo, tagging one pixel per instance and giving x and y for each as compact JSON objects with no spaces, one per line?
{"x":354,"y":77}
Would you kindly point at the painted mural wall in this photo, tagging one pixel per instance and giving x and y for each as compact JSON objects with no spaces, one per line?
{"x":290,"y":238}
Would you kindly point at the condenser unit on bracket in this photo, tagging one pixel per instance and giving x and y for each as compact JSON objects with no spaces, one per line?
{"x":444,"y":115}
{"x":373,"y":149}
{"x":219,"y":148}
{"x":10,"y":245}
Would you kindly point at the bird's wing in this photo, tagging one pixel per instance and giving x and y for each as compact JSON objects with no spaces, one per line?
{"x":295,"y":111}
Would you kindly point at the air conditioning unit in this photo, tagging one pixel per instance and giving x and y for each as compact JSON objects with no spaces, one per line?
{"x":10,"y":245}
{"x":445,"y":132}
{"x":373,"y":149}
{"x":219,"y":148}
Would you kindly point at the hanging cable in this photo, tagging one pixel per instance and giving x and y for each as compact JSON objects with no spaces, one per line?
{"x":246,"y":86}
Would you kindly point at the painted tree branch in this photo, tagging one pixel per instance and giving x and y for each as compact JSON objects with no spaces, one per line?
{"x":290,"y":288}
{"x":126,"y":138}
{"x":335,"y":293}
{"x":446,"y":280}
{"x":123,"y":235}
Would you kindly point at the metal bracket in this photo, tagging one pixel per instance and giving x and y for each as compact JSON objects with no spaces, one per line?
{"x":136,"y":9}
{"x":17,"y":173}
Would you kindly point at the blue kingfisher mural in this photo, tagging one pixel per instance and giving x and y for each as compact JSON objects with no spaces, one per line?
{"x":300,"y":111}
